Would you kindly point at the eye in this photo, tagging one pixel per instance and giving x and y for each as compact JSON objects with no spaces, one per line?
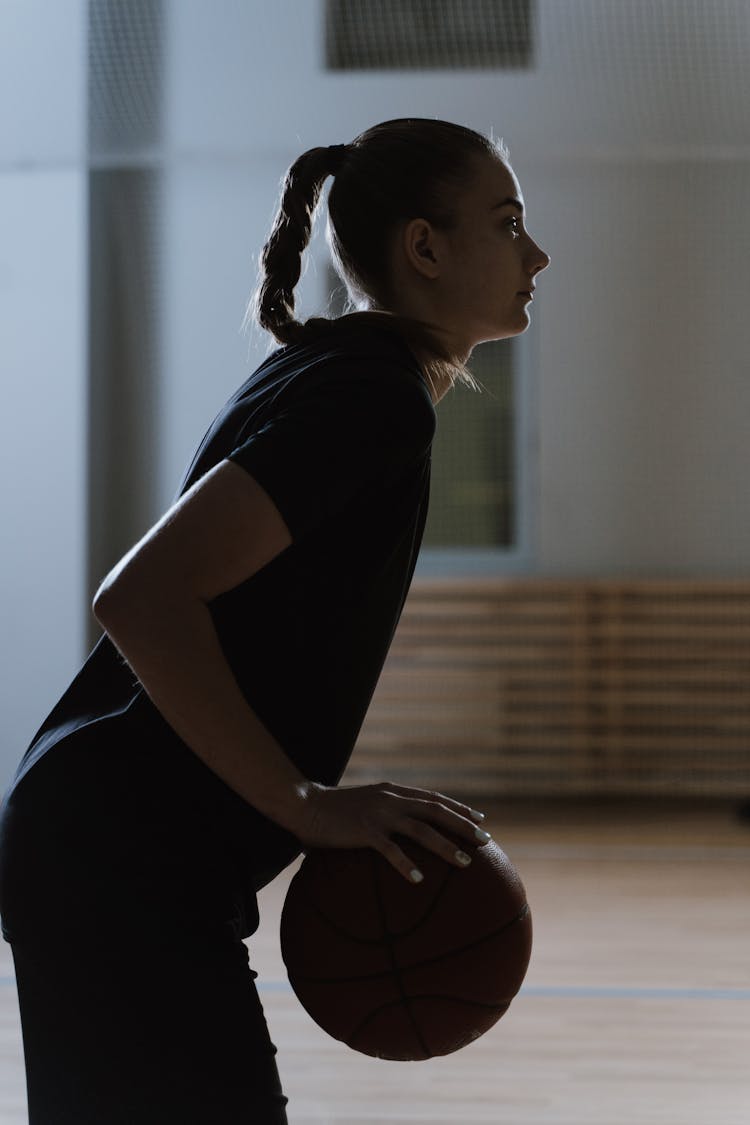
{"x":512,"y":222}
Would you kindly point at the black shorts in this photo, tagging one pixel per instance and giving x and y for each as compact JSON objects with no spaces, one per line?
{"x":125,"y":913}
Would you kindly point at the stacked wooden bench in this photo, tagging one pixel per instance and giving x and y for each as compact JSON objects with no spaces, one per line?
{"x":541,"y":686}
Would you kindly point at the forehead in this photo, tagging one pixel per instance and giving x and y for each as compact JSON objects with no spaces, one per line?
{"x":496,"y":181}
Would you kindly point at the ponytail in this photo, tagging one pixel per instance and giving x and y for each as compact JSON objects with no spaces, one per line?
{"x":280,"y":262}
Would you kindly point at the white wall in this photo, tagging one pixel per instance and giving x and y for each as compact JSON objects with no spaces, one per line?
{"x":631,"y":140}
{"x":42,"y":361}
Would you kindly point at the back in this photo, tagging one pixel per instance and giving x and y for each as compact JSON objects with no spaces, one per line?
{"x":338,"y":433}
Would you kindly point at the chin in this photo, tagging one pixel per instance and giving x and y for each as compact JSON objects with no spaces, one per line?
{"x":506,"y":332}
{"x":524,"y":322}
{"x":515,"y":325}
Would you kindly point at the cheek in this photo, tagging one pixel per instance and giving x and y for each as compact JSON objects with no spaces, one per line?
{"x":503,"y":273}
{"x":484,"y":272}
{"x":501,"y":255}
{"x":487,"y":265}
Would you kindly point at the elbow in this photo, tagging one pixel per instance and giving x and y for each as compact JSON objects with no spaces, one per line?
{"x":117,"y":592}
{"x":109,"y":601}
{"x":101,"y":605}
{"x":123,"y":604}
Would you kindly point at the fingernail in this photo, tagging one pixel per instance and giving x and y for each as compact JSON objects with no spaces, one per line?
{"x":476,"y":815}
{"x":482,"y":835}
{"x":416,"y":876}
{"x":462,"y":857}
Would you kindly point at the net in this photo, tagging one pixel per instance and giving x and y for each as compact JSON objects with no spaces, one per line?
{"x":419,"y":34}
{"x":628,"y":126}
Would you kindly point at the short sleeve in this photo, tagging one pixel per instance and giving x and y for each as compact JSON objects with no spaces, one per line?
{"x":333,"y":440}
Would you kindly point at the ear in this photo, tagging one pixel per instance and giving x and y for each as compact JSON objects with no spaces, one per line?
{"x":420,"y":247}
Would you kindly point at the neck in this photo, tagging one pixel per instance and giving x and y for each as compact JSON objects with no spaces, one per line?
{"x":437,"y":384}
{"x":438,"y":387}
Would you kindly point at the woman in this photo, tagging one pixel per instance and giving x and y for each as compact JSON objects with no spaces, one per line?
{"x":198,"y":750}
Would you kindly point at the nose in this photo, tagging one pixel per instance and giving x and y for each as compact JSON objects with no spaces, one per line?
{"x":538,"y":258}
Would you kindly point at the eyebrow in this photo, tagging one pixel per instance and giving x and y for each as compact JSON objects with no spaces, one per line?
{"x":510,"y":200}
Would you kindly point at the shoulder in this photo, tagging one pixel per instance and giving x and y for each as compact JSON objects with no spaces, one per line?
{"x":371,"y":385}
{"x":363,"y":358}
{"x":360,"y":378}
{"x":338,"y":416}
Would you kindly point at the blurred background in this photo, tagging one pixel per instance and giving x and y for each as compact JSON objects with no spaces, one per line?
{"x":581,"y":610}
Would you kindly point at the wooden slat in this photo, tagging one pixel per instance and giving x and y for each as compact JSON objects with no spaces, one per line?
{"x":593,"y":685}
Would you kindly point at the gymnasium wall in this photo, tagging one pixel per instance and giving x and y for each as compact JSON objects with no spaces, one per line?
{"x":632,"y":149}
{"x":631,"y":142}
{"x":43,"y":370}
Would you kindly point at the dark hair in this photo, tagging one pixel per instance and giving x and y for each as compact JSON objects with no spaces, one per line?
{"x":396,"y":171}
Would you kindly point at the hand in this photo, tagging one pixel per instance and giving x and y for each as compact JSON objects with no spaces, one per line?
{"x":366,"y":816}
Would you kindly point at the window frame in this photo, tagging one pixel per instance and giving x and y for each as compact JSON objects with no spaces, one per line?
{"x":457,"y":562}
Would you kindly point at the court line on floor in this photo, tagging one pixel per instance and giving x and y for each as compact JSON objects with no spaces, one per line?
{"x":629,"y":851}
{"x":584,"y":992}
{"x":575,"y":992}
{"x":568,"y":992}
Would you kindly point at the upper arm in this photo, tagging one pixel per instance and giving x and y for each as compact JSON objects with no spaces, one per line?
{"x":321,"y":454}
{"x":218,"y":534}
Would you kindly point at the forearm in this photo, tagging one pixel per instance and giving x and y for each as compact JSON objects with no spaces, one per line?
{"x":174,"y":650}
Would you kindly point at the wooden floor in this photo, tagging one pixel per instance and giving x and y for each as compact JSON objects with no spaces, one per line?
{"x":635,"y":1010}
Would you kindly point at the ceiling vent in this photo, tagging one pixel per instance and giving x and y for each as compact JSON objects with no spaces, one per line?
{"x":429,"y":34}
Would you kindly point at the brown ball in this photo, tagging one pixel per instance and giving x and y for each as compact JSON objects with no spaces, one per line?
{"x":406,"y":971}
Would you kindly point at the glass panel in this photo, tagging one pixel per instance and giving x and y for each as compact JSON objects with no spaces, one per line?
{"x":473,"y":489}
{"x":472,"y":494}
{"x":419,"y":34}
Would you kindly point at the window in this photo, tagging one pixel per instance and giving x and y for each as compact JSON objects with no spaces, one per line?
{"x":472,"y":492}
{"x":428,"y":34}
{"x":477,"y":522}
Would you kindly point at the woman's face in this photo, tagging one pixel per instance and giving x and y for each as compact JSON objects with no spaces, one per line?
{"x":491,"y":260}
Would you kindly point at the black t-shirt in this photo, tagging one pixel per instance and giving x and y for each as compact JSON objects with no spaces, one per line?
{"x":338,"y":432}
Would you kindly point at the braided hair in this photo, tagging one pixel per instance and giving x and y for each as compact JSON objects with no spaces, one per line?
{"x":281,"y":257}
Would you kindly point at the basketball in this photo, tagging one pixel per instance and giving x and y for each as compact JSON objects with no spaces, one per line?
{"x":405,"y":971}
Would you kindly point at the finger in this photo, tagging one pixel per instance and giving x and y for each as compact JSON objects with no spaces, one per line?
{"x":398,"y":859}
{"x":441,"y":798}
{"x":433,"y":841}
{"x":463,"y":808}
{"x":451,"y":818}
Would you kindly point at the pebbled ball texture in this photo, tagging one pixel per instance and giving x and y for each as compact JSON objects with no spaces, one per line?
{"x":401,"y":971}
